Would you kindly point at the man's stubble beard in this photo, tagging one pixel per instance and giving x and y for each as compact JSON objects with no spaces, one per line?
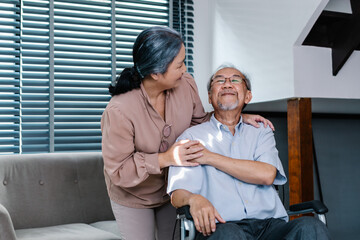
{"x":228,"y":108}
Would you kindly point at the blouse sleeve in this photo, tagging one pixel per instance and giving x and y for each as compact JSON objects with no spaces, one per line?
{"x":125,"y":166}
{"x":199,"y":114}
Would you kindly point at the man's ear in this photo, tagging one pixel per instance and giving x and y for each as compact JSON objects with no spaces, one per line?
{"x":248,"y":96}
{"x":209,"y":97}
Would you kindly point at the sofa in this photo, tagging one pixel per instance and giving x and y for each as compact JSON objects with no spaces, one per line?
{"x":55,"y":196}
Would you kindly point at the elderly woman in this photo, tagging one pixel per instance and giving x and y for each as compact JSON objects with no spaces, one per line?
{"x":152,"y":103}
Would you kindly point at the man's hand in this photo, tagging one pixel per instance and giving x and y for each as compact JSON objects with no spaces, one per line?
{"x":204,"y":214}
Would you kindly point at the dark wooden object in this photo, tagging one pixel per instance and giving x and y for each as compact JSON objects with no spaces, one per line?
{"x":300,"y":150}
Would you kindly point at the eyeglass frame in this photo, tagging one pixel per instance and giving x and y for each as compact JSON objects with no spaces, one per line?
{"x":164,"y":145}
{"x":218,"y":78}
{"x":244,"y":78}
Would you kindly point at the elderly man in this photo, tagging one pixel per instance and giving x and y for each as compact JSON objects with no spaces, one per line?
{"x":231,"y":193}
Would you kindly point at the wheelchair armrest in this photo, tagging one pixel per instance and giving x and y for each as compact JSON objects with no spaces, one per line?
{"x":184,"y":210}
{"x":315,"y":206}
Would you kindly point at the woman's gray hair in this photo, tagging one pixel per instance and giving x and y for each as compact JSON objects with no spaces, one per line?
{"x":229,"y":65}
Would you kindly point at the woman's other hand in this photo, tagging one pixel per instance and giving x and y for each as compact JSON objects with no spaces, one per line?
{"x":253,"y":120}
{"x":181,"y":153}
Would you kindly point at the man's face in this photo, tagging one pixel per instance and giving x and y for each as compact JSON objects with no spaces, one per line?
{"x":228,"y":90}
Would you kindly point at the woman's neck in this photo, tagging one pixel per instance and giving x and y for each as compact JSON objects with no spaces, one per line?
{"x":156,"y":96}
{"x":152,"y":89}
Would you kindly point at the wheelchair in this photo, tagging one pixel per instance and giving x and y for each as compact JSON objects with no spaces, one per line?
{"x":188,"y":231}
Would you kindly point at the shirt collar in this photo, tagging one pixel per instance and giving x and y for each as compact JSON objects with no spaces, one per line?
{"x":221,"y":126}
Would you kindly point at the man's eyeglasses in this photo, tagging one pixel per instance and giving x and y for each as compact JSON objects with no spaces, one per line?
{"x":218,"y":80}
{"x":235,"y":79}
{"x":164,"y":145}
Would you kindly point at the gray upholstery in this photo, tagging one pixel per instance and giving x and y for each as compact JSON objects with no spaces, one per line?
{"x":55,"y":196}
{"x":75,"y":231}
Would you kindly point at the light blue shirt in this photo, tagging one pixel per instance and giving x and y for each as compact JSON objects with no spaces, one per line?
{"x":234,"y":199}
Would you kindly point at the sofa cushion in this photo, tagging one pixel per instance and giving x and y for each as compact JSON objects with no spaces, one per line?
{"x":109,"y":226}
{"x":41,"y":190}
{"x":76,"y":231}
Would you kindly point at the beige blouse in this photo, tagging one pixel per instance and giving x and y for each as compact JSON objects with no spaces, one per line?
{"x":131,"y":137}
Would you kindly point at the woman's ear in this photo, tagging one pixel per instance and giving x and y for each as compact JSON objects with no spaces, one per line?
{"x":155,"y":76}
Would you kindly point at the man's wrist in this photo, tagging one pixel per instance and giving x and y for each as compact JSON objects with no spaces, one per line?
{"x":212,"y":158}
{"x":192,"y":198}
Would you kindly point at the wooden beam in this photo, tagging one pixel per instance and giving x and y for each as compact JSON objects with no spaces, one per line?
{"x":300,"y":150}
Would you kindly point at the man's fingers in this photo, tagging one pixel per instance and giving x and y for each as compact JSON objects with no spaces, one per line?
{"x":212,"y":223}
{"x":197,"y":224}
{"x":218,"y":217}
{"x":207,"y":224}
{"x":201,"y":225}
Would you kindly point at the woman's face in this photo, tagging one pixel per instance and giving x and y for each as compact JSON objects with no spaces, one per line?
{"x":171,"y":78}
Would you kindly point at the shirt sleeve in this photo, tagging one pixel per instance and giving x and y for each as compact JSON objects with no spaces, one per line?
{"x":266,"y":152}
{"x":199,"y":114}
{"x":188,"y":178}
{"x":125,"y":166}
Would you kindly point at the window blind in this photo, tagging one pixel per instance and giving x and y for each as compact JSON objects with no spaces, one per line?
{"x":183,"y":22}
{"x":10,"y":77}
{"x":131,"y":18}
{"x":35,"y":93}
{"x":57,"y":61}
{"x":82,"y":35}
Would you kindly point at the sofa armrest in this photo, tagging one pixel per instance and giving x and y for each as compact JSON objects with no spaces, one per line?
{"x":6,"y":226}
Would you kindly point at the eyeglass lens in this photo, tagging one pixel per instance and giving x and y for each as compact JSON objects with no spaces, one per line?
{"x":166,"y":130}
{"x":164,"y":145}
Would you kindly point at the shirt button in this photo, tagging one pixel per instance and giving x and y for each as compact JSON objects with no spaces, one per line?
{"x":240,"y":183}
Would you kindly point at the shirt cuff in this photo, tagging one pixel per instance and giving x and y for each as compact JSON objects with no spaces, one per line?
{"x":152,"y":163}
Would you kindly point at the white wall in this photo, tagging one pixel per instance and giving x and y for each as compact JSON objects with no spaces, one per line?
{"x":257,"y":36}
{"x":313,"y":65}
{"x":313,"y":74}
{"x":203,"y":46}
{"x":263,"y":38}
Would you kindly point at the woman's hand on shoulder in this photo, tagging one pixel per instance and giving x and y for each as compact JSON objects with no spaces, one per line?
{"x":254,"y":119}
{"x":181,"y":153}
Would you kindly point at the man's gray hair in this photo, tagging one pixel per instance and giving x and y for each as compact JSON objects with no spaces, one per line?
{"x":229,"y":65}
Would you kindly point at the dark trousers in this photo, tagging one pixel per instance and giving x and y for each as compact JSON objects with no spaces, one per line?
{"x":304,"y":228}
